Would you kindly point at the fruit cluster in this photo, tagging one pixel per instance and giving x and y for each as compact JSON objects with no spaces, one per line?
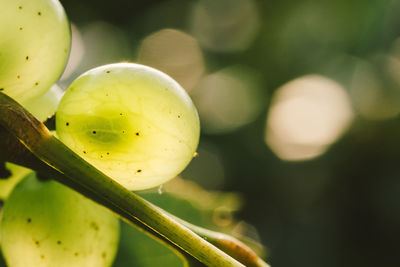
{"x":132,"y":122}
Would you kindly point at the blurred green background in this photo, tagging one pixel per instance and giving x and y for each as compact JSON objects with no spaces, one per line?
{"x":299,"y":104}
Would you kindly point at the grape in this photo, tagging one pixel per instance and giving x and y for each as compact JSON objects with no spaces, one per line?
{"x":17,"y":173}
{"x":134,"y":123}
{"x":48,"y":224}
{"x":34,"y":46}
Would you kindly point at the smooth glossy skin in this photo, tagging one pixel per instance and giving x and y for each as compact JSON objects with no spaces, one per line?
{"x":134,"y":123}
{"x":47,"y":224}
{"x":34,"y":46}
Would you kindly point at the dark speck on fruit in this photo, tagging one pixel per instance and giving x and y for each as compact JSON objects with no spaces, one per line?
{"x":39,"y":13}
{"x":58,"y":242}
{"x":84,"y":152}
{"x":1,"y":89}
{"x":139,"y":171}
{"x":20,"y":7}
{"x":42,"y":256}
{"x":36,"y":83}
{"x":27,"y":57}
{"x":67,"y":123}
{"x":76,"y":254}
{"x":108,"y":71}
{"x":94,"y":226}
{"x":94,"y":132}
{"x":28,"y":220}
{"x":20,"y":28}
{"x":137,"y":133}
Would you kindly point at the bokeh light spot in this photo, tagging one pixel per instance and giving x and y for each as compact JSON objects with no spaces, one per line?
{"x":306,"y":116}
{"x":228,"y":99}
{"x":175,"y":53}
{"x":225,"y":25}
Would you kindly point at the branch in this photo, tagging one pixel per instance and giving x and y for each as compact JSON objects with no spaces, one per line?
{"x":226,"y":243}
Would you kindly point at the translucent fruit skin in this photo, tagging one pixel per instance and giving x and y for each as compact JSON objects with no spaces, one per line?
{"x":47,"y":224}
{"x":34,"y":46}
{"x":134,"y":123}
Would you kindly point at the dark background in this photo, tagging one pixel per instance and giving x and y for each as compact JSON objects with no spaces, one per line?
{"x":341,"y":208}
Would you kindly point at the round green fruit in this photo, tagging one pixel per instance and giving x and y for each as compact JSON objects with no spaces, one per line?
{"x":34,"y":46}
{"x":134,"y":123}
{"x":47,"y":224}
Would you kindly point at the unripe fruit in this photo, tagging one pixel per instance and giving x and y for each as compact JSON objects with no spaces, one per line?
{"x":134,"y":123}
{"x":47,"y":224}
{"x":34,"y":47}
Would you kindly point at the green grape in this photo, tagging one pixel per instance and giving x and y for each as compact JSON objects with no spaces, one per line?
{"x":17,"y":173}
{"x":134,"y":123}
{"x":34,"y":46}
{"x":48,"y":224}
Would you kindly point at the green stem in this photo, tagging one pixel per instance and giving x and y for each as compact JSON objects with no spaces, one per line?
{"x":36,"y":137}
{"x":226,"y":243}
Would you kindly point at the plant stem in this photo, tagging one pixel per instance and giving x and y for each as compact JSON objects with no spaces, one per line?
{"x":36,"y":137}
{"x":226,"y":243}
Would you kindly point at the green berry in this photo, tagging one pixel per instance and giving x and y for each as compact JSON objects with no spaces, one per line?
{"x":134,"y":123}
{"x":47,"y":224}
{"x":34,"y":47}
